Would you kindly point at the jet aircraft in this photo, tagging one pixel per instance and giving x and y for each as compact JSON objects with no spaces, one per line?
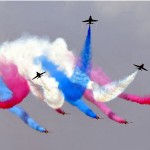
{"x":46,"y":131}
{"x":38,"y":75}
{"x":140,"y":67}
{"x":90,"y":20}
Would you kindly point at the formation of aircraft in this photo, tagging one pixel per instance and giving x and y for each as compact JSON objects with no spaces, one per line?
{"x":140,"y":67}
{"x":90,"y":20}
{"x":38,"y":75}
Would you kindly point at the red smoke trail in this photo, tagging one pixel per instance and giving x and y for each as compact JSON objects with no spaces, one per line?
{"x":106,"y":110}
{"x":100,"y":77}
{"x":15,"y":82}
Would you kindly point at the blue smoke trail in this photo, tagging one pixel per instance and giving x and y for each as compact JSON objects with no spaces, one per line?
{"x":27,"y":119}
{"x":84,"y":108}
{"x":72,"y":91}
{"x":85,"y":55}
{"x":83,"y":67}
{"x":5,"y":92}
{"x":79,"y":77}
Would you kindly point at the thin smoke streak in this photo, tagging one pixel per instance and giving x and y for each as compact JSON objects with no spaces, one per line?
{"x":24,"y":116}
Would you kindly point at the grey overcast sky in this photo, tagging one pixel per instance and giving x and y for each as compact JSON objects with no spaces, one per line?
{"x":119,"y":39}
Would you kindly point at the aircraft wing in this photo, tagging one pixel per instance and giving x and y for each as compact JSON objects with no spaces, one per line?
{"x":43,"y":72}
{"x":136,"y":65}
{"x":144,"y":69}
{"x":35,"y":77}
{"x":85,"y":21}
{"x":94,"y":20}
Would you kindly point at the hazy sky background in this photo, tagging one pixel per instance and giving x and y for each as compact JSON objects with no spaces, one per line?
{"x":119,"y":39}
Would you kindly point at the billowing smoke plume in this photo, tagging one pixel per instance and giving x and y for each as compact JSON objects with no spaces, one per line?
{"x":15,"y":82}
{"x":23,"y":51}
{"x":65,"y":79}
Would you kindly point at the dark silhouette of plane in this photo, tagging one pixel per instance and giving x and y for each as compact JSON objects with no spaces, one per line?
{"x":90,"y":20}
{"x":46,"y":131}
{"x":38,"y":75}
{"x":140,"y":67}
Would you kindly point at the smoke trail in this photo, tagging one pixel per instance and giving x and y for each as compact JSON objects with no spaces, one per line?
{"x":72,"y":91}
{"x":106,"y":110}
{"x":5,"y":92}
{"x":136,"y":98}
{"x":22,"y":53}
{"x":15,"y":82}
{"x":83,"y":65}
{"x":105,"y":93}
{"x":85,"y":56}
{"x":100,"y":77}
{"x":27,"y":119}
{"x":109,"y":91}
{"x":78,"y":77}
{"x":37,"y":91}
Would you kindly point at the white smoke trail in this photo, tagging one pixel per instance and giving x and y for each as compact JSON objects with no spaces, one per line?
{"x":22,"y":53}
{"x":36,"y":90}
{"x":109,"y":91}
